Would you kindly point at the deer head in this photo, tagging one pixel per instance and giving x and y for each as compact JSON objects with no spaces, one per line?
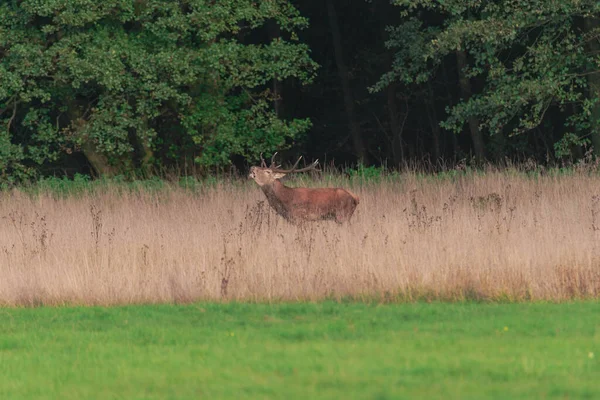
{"x":265,"y":176}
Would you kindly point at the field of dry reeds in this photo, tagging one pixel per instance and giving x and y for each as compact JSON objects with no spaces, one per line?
{"x":498,"y":236}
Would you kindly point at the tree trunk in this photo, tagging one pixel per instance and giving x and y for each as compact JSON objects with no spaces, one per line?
{"x":396,"y":126}
{"x":593,"y":47}
{"x":434,"y":123}
{"x":97,"y":160}
{"x":447,"y":82}
{"x":275,"y":33}
{"x":465,"y":89}
{"x":144,"y":150}
{"x":384,"y":13}
{"x":357,"y":142}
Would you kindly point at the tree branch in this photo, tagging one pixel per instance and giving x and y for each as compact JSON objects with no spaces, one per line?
{"x":12,"y":117}
{"x":12,"y":98}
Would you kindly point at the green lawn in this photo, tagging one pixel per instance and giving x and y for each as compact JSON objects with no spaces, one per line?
{"x":302,"y":351}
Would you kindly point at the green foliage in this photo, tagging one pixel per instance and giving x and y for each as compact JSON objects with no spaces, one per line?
{"x":563,"y":147}
{"x":367,"y":174}
{"x":528,"y":57}
{"x":81,"y":185}
{"x":120,"y":79}
{"x":299,"y":351}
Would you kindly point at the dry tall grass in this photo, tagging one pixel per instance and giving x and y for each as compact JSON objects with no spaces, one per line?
{"x":486,"y":237}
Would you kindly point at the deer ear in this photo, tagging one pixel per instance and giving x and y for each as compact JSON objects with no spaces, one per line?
{"x":278,"y":175}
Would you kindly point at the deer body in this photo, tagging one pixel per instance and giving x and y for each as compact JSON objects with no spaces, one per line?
{"x":303,"y":204}
{"x":298,"y":204}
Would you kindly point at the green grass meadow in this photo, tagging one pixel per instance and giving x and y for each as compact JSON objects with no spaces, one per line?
{"x":304,"y":350}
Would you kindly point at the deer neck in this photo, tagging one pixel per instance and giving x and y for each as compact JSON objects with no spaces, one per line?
{"x":278,"y":196}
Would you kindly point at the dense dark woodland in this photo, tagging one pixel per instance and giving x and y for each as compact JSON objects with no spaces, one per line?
{"x":194,"y":86}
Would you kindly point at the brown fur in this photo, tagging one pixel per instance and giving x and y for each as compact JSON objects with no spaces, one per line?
{"x":304,"y":204}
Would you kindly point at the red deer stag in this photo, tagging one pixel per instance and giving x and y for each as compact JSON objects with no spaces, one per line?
{"x":302,"y":204}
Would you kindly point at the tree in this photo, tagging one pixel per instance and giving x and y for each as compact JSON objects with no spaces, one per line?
{"x":357,"y":142}
{"x":132,"y":84}
{"x":526,"y":58}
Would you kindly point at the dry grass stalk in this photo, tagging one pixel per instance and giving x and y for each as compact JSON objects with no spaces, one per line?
{"x":492,"y":237}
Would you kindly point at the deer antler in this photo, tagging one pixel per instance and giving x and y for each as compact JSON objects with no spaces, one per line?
{"x":263,"y":164}
{"x":273,"y":166}
{"x":312,"y":166}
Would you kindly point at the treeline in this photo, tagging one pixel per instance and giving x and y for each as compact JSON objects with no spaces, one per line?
{"x":147,"y":86}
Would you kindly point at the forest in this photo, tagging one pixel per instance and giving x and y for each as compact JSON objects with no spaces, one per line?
{"x":146,"y":87}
